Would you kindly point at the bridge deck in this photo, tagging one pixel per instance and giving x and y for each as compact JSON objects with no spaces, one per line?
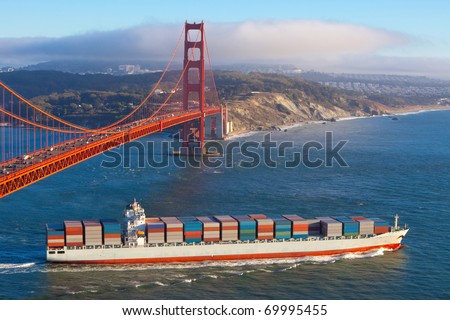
{"x":71,"y":153}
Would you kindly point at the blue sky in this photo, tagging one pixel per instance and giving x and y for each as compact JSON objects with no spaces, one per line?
{"x":377,"y":33}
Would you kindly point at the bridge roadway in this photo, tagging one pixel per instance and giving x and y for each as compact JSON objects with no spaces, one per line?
{"x":18,"y":173}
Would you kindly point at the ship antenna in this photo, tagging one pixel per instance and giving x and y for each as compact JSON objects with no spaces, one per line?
{"x":396,"y":222}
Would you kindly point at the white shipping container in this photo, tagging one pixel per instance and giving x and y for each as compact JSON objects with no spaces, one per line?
{"x":112,"y":241}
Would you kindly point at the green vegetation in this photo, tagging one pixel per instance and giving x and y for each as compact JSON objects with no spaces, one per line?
{"x":73,"y":102}
{"x":92,"y":99}
{"x":232,"y":85}
{"x":97,"y":99}
{"x":396,"y":101}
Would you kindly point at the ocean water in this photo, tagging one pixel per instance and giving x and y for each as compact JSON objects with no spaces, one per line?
{"x":394,"y":167}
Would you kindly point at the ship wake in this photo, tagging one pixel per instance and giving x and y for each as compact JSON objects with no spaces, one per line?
{"x":228,"y":265}
{"x":13,"y":268}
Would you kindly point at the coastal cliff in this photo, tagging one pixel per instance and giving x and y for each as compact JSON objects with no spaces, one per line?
{"x":265,"y":110}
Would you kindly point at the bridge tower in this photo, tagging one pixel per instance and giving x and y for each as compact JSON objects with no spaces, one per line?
{"x":194,"y":84}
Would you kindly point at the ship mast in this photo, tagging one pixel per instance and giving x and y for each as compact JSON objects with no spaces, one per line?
{"x":396,"y":222}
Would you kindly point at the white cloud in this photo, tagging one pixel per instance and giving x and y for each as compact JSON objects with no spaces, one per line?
{"x":320,"y":45}
{"x":293,"y":39}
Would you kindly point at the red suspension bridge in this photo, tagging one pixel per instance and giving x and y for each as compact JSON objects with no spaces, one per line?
{"x":35,"y":144}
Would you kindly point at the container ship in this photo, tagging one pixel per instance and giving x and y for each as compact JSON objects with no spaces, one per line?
{"x":221,"y":237}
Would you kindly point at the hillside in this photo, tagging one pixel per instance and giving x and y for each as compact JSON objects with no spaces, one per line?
{"x":262,"y":111}
{"x":255,"y":100}
{"x":259,"y":101}
{"x":392,"y":90}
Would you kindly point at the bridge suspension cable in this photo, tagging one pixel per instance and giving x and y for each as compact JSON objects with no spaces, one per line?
{"x":146,"y":99}
{"x":43,"y":112}
{"x":35,"y":144}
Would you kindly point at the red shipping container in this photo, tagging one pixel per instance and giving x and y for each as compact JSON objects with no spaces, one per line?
{"x":298,"y":226}
{"x":56,"y":237}
{"x":72,"y":244}
{"x":381,"y":229}
{"x":229,"y":228}
{"x":357,"y":218}
{"x":111,"y":236}
{"x":74,"y":233}
{"x":156,"y":231}
{"x":211,"y":239}
{"x":55,"y":245}
{"x":257,"y":216}
{"x":193,"y":234}
{"x":211,"y":229}
{"x":52,"y":241}
{"x":73,"y":225}
{"x":174,"y":229}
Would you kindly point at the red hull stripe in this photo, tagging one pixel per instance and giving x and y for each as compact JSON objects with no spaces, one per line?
{"x":234,"y":257}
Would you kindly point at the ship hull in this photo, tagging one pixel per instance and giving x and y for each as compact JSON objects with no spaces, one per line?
{"x":168,"y":253}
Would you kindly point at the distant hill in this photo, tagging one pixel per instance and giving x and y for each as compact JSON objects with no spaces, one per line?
{"x":35,"y":83}
{"x":255,"y":100}
{"x":111,"y":66}
{"x":93,"y":66}
{"x":392,"y":90}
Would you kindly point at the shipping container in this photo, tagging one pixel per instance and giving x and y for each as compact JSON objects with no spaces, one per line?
{"x":174,"y":229}
{"x":156,"y":232}
{"x":379,"y":222}
{"x":298,"y":226}
{"x":192,"y":229}
{"x":282,"y":227}
{"x":381,"y":229}
{"x":211,"y":229}
{"x":110,"y":226}
{"x":330,"y":227}
{"x":74,"y":233}
{"x":93,"y":232}
{"x":358,"y":218}
{"x":113,"y":241}
{"x":380,"y":226}
{"x":228,"y":228}
{"x":246,"y":228}
{"x":73,"y":227}
{"x":55,"y":235}
{"x":313,"y":226}
{"x":350,"y":227}
{"x":366,"y":226}
{"x":265,"y":229}
{"x":111,"y":232}
{"x":56,"y":229}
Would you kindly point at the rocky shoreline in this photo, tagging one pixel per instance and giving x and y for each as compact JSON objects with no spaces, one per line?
{"x":392,"y":112}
